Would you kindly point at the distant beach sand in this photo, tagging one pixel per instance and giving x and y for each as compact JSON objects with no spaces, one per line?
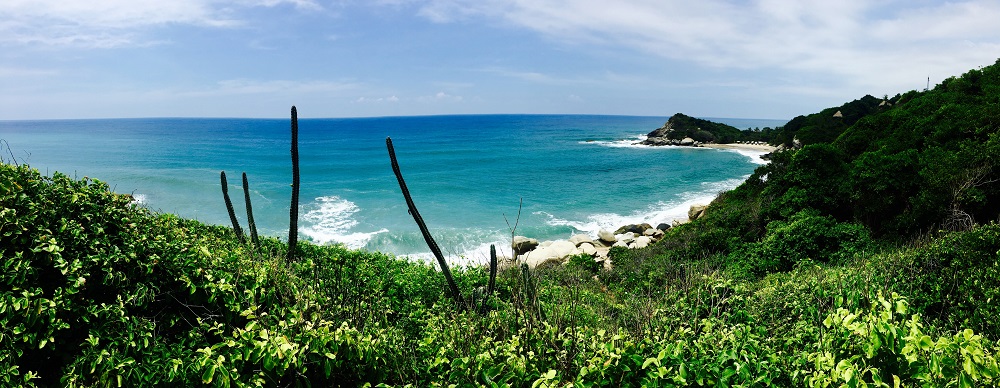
{"x":748,"y":147}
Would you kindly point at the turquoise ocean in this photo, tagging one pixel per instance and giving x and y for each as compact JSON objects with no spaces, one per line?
{"x":568,"y":174}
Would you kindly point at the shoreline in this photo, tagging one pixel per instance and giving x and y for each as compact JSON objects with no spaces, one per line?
{"x":632,"y":236}
{"x":742,"y":146}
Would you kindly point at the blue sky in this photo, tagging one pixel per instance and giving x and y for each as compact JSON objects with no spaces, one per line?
{"x":345,"y":58}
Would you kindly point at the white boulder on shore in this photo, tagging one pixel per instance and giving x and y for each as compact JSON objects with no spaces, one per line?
{"x":580,"y":239}
{"x":606,"y":237}
{"x":523,"y":244}
{"x":550,"y":251}
{"x":696,"y":212}
{"x":529,"y":251}
{"x":640,"y":242}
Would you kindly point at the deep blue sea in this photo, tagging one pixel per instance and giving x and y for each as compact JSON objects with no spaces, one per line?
{"x":574,"y":173}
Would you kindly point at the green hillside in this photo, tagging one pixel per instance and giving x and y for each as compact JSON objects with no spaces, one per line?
{"x":871,"y":256}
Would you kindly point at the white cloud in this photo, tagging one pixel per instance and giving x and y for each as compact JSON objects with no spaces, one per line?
{"x":534,"y":76}
{"x":246,"y":86}
{"x":443,"y":11}
{"x":880,"y":45}
{"x":392,"y":98}
{"x":440,"y":97}
{"x":114,"y":23}
{"x":300,"y":4}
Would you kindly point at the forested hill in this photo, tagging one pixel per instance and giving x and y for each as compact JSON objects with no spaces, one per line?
{"x":826,"y":125}
{"x":888,"y":169}
{"x":680,"y":126}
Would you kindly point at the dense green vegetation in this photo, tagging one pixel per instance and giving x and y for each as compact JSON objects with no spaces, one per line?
{"x":869,"y":257}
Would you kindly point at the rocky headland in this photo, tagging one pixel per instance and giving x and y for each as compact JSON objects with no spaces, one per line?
{"x":683,"y":130}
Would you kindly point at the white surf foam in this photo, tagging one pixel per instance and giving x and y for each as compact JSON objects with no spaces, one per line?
{"x":623,"y":143}
{"x":139,"y":199}
{"x":755,"y":156}
{"x":331,"y":221}
{"x":661,"y":212}
{"x":474,"y":251}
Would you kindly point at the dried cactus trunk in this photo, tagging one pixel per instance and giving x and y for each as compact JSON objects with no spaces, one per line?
{"x":531,"y":293}
{"x":455,"y":293}
{"x":229,"y":208}
{"x":493,"y":277}
{"x":253,"y":225}
{"x":293,"y":211}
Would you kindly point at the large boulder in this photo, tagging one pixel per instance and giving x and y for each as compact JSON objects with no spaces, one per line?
{"x":602,"y":253}
{"x":580,"y":239}
{"x":588,"y":249}
{"x":606,"y":237}
{"x":656,"y":141}
{"x":696,"y":212}
{"x":556,"y":251}
{"x":663,"y":226}
{"x":687,"y":141}
{"x":522,"y":244}
{"x":626,"y":237}
{"x":640,"y":242}
{"x":633,"y":228}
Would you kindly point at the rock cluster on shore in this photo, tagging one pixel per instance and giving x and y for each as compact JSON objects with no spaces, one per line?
{"x":634,"y":236}
{"x":665,"y":141}
{"x":660,"y":137}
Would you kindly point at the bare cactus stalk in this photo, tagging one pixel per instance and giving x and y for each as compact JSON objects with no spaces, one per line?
{"x":253,"y":225}
{"x":455,"y":293}
{"x":229,"y":208}
{"x":293,"y":211}
{"x":493,"y":277}
{"x":529,"y":290}
{"x":530,"y":293}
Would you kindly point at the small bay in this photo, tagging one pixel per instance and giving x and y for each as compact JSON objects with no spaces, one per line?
{"x":574,"y":173}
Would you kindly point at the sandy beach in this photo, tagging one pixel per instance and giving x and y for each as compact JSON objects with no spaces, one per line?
{"x":749,"y":147}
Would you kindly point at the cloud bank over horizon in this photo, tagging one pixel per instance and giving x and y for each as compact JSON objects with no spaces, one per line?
{"x":343,"y":58}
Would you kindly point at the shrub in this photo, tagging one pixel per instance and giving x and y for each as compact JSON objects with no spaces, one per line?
{"x":951,"y":280}
{"x":884,"y":346}
{"x":806,"y":235}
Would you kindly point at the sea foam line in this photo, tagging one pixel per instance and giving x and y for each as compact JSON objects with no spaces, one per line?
{"x":623,"y":143}
{"x":634,"y":142}
{"x":331,"y":220}
{"x":661,"y":212}
{"x":756,"y":157}
{"x":139,"y":199}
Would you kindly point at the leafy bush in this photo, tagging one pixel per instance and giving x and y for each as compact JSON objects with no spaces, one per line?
{"x":584,"y":263}
{"x":166,"y":301}
{"x":885,"y":347}
{"x":951,"y":280}
{"x":806,"y":235}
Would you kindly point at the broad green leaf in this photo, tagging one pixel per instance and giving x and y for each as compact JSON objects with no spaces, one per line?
{"x":209,"y":373}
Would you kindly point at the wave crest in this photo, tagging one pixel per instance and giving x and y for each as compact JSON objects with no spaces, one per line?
{"x":331,"y":219}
